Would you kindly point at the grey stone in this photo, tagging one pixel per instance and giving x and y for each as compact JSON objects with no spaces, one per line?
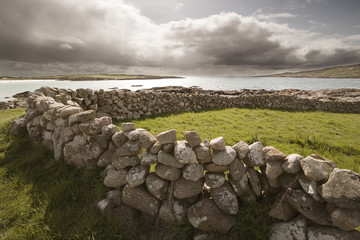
{"x":281,"y":209}
{"x":212,"y":167}
{"x":224,"y":157}
{"x":109,"y":130}
{"x":167,"y":137}
{"x":121,"y":162}
{"x":115,"y":178}
{"x":167,"y":172}
{"x":119,"y":139}
{"x":255,"y":156}
{"x":129,"y":126}
{"x":156,"y":186}
{"x":272,"y":154}
{"x":168,"y":147}
{"x":185,"y":189}
{"x":206,"y":216}
{"x":66,"y":112}
{"x":97,"y":125}
{"x":292,"y":163}
{"x":202,"y":152}
{"x":214,"y":180}
{"x":342,"y":189}
{"x":85,"y":127}
{"x":241,"y":185}
{"x":81,"y":117}
{"x":308,"y":207}
{"x":115,"y":197}
{"x":237,"y":169}
{"x":295,"y":229}
{"x":273,"y":169}
{"x":331,"y":233}
{"x":241,"y":149}
{"x":184,"y":153}
{"x":130,"y":148}
{"x":218,"y":144}
{"x":254,"y":180}
{"x":193,"y":172}
{"x":17,"y":124}
{"x":193,"y":138}
{"x":173,"y":211}
{"x":169,"y":159}
{"x":106,"y":206}
{"x":310,"y":187}
{"x":148,"y":158}
{"x":141,"y":199}
{"x":104,"y":159}
{"x":225,"y":199}
{"x":288,"y":180}
{"x":273,"y":182}
{"x":137,"y":175}
{"x":346,"y":219}
{"x":155,"y":148}
{"x":134,"y":135}
{"x":317,"y":168}
{"x":146,"y":140}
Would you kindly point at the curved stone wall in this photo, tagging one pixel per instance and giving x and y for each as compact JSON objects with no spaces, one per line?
{"x":203,"y":181}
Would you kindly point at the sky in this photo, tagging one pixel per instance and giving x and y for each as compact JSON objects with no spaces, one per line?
{"x":176,"y":37}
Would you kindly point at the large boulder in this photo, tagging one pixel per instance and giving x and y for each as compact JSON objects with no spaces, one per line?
{"x":115,"y":178}
{"x":148,"y":158}
{"x":137,"y":175}
{"x":141,"y":199}
{"x":184,"y":153}
{"x":292,"y":163}
{"x":206,"y":216}
{"x":237,"y":169}
{"x":120,"y":162}
{"x":281,"y":209}
{"x":167,"y":137}
{"x":214,"y":180}
{"x":169,"y":159}
{"x":193,"y":138}
{"x":331,"y":233}
{"x":346,"y":219}
{"x":193,"y":172}
{"x":185,"y":189}
{"x":272,"y":154}
{"x":146,"y":140}
{"x":167,"y":172}
{"x":255,"y":156}
{"x":342,"y":189}
{"x":218,"y":144}
{"x":241,"y":149}
{"x":295,"y":229}
{"x":156,"y":186}
{"x":202,"y":152}
{"x":225,"y":199}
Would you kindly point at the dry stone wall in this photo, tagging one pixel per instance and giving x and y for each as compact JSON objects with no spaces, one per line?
{"x":163,"y":179}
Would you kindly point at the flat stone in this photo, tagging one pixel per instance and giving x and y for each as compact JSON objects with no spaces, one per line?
{"x":218,"y":144}
{"x":342,"y":189}
{"x":121,"y":162}
{"x":225,"y":199}
{"x":184,"y":153}
{"x":331,"y":233}
{"x":66,"y":112}
{"x":281,"y":209}
{"x":317,"y":168}
{"x":137,"y":175}
{"x":237,"y":169}
{"x":206,"y":216}
{"x":193,"y":138}
{"x":241,"y":149}
{"x":167,"y":137}
{"x":202,"y":152}
{"x":295,"y":229}
{"x":254,"y":180}
{"x":292,"y":163}
{"x":185,"y":189}
{"x":346,"y":219}
{"x":81,"y":117}
{"x":212,"y":167}
{"x":169,"y":159}
{"x":115,"y":178}
{"x":308,"y":207}
{"x":148,"y":158}
{"x":272,"y":154}
{"x":146,"y":140}
{"x":167,"y":172}
{"x":255,"y":156}
{"x":129,"y":126}
{"x":141,"y":199}
{"x":157,"y":186}
{"x":193,"y":172}
{"x":214,"y":180}
{"x":224,"y":157}
{"x":97,"y":125}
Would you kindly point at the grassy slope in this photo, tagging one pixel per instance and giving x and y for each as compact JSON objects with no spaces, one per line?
{"x":85,"y":77}
{"x":44,"y":199}
{"x":352,"y":71}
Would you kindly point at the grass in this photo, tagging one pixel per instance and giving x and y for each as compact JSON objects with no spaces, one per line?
{"x":41,"y":198}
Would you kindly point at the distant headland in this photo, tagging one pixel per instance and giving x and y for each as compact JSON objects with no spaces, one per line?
{"x":350,"y":71}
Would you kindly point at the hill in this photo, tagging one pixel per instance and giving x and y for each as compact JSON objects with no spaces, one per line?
{"x":351,"y":71}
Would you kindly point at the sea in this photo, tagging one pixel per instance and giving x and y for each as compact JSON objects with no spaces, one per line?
{"x":9,"y":88}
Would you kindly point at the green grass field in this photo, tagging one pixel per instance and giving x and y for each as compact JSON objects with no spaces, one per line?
{"x":41,"y":198}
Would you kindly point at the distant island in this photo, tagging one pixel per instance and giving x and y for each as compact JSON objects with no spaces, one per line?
{"x":89,"y":77}
{"x":350,"y":71}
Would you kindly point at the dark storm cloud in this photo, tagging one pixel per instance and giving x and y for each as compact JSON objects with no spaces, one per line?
{"x":105,"y":35}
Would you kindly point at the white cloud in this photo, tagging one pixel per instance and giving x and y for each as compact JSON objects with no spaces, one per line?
{"x":274,"y":16}
{"x":178,"y":7}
